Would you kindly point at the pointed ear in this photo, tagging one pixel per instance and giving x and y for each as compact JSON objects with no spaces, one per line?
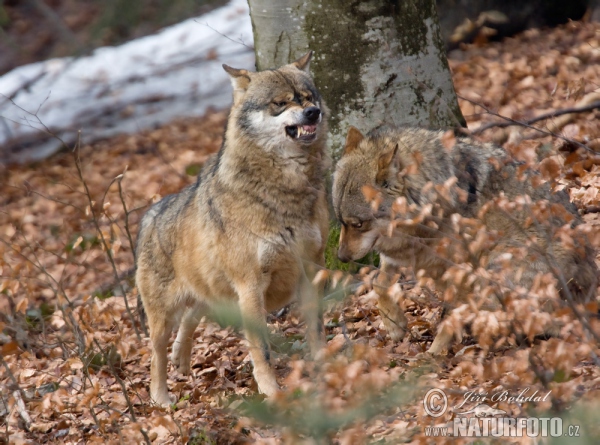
{"x":383,"y":164}
{"x":352,"y":140}
{"x":240,"y":79}
{"x":303,"y":63}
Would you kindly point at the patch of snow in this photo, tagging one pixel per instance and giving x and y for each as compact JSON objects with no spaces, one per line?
{"x":149,"y":81}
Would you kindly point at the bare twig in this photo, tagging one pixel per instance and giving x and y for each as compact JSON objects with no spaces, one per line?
{"x":49,"y":198}
{"x":66,"y":310}
{"x":524,"y":124}
{"x":22,"y":409}
{"x":509,"y":122}
{"x":590,"y":209}
{"x":56,"y":22}
{"x":109,"y":361}
{"x":103,"y":239}
{"x":11,"y":376}
{"x":129,"y":237}
{"x":94,"y":219}
{"x":240,"y":41}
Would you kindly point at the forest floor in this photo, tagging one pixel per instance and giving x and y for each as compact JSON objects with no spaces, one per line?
{"x":75,"y":360}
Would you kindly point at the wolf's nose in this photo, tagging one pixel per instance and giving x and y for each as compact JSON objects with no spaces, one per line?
{"x":312,"y":113}
{"x":343,"y":256}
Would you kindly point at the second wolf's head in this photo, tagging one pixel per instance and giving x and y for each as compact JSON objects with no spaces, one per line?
{"x":279,"y":110}
{"x":362,"y":166}
{"x":373,"y":172}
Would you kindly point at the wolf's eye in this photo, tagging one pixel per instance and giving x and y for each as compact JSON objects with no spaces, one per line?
{"x":280,"y":104}
{"x":357,"y":225}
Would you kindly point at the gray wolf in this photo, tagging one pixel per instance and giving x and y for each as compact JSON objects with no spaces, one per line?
{"x":416,"y":189}
{"x":250,"y":232}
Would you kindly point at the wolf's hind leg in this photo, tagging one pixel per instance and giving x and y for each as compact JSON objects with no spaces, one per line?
{"x":182,"y":347}
{"x":251,"y":301}
{"x":392,"y":314}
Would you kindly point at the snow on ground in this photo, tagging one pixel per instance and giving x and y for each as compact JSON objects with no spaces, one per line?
{"x":149,"y":81}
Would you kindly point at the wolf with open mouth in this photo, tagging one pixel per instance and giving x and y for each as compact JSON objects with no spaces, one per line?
{"x":251,"y":231}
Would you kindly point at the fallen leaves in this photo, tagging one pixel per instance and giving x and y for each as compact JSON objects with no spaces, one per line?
{"x":51,"y":254}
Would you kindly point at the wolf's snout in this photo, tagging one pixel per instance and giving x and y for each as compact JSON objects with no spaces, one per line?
{"x":343,"y":256}
{"x":307,"y":131}
{"x":312,"y":114}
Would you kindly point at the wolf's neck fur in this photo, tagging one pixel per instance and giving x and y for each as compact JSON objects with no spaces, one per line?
{"x":275,"y":181}
{"x":242,"y":157}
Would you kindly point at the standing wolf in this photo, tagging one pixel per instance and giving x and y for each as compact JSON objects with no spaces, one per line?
{"x":418,"y":189}
{"x":251,"y":230}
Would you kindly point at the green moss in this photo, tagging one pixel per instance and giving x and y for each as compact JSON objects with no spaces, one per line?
{"x":331,"y":247}
{"x":193,"y":169}
{"x":331,"y":260}
{"x":412,"y":29}
{"x":338,"y":61}
{"x":199,"y":436}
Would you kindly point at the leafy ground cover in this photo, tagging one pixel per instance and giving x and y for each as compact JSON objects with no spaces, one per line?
{"x":75,"y":357}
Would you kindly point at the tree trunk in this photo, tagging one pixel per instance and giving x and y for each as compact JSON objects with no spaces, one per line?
{"x":376,"y":62}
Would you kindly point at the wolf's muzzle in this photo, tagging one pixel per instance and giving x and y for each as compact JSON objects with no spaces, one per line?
{"x":344,"y":257}
{"x":306,"y":132}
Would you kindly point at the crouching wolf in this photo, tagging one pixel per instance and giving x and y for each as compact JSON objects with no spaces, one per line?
{"x":251,"y":231}
{"x":418,"y":189}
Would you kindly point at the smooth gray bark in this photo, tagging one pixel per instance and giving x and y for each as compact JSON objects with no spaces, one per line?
{"x":376,"y":62}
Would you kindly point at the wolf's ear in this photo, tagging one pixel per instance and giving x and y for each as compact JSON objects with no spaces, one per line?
{"x":353,"y":139}
{"x":303,"y":63}
{"x":240,"y":79}
{"x":383,"y":164}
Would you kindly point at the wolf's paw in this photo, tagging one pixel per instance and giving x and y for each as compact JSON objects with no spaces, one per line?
{"x":181,"y":360}
{"x":440,"y":345}
{"x":268,"y":388}
{"x":396,"y":334}
{"x":183,"y":365}
{"x":317,"y":349}
{"x":184,"y":368}
{"x":437,"y":350}
{"x":396,"y":329}
{"x":163,"y":399}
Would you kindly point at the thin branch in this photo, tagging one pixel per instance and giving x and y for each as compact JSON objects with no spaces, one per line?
{"x":56,"y":22}
{"x":524,"y":124}
{"x":102,"y":238}
{"x":12,"y":377}
{"x":590,"y":209}
{"x":22,"y":409}
{"x":49,"y":198}
{"x":241,"y":42}
{"x":129,"y":237}
{"x":110,"y":362}
{"x":541,"y":117}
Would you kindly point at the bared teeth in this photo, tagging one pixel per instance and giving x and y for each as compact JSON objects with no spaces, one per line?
{"x":306,"y":130}
{"x":301,"y":130}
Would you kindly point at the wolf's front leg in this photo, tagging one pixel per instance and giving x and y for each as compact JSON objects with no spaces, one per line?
{"x":251,"y":299}
{"x":391,"y":313}
{"x":441,"y":342}
{"x":311,"y":301}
